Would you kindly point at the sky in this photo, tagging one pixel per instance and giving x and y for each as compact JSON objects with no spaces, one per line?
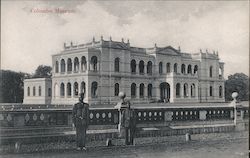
{"x":29,"y":37}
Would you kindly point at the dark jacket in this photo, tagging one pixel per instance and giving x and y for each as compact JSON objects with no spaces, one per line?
{"x":80,"y":114}
{"x":128,"y":118}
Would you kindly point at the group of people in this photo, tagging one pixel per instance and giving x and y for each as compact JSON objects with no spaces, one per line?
{"x":80,"y":119}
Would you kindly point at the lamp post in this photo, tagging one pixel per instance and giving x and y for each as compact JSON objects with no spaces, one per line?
{"x":234,"y":103}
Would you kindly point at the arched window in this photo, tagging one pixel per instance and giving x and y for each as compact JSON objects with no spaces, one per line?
{"x":189,"y":69}
{"x":175,"y":67}
{"x":185,"y":89}
{"x":76,"y":91}
{"x":69,"y":63}
{"x":117,"y":64}
{"x":220,"y":91}
{"x":83,"y":63}
{"x":83,"y":87}
{"x":94,"y":87}
{"x":28,"y":91}
{"x":39,"y":91}
{"x":57,"y":67}
{"x":62,"y":91}
{"x":69,"y":89}
{"x":150,"y":87}
{"x":141,"y":90}
{"x":93,"y":63}
{"x":195,"y":69}
{"x":34,"y":91}
{"x":149,"y":68}
{"x":133,"y":90}
{"x":160,"y":68}
{"x":183,"y":68}
{"x":177,"y":90}
{"x":193,"y":90}
{"x":168,"y":68}
{"x":116,"y":89}
{"x":62,"y":65}
{"x":141,"y":67}
{"x":211,"y":71}
{"x":76,"y":64}
{"x":133,"y":66}
{"x":49,"y":92}
{"x":211,"y":91}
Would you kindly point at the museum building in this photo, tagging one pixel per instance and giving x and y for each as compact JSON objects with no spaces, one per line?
{"x":103,"y":68}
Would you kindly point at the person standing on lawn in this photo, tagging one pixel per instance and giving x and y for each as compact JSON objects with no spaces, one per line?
{"x":80,"y":119}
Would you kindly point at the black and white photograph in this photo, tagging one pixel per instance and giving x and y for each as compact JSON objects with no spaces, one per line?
{"x":124,"y":79}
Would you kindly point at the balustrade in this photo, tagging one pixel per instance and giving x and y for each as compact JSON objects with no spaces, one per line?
{"x":17,"y":117}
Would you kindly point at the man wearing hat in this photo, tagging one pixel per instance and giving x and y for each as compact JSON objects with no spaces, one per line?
{"x":80,"y":118}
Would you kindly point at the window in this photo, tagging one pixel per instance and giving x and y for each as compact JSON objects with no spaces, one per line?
{"x":193,"y":90}
{"x":178,"y":89}
{"x":76,"y":64}
{"x":83,"y":63}
{"x":141,"y":90}
{"x":116,"y":89}
{"x":160,"y":68}
{"x":141,"y":67}
{"x":69,"y":63}
{"x":117,"y":64}
{"x":220,"y":91}
{"x":195,"y":69}
{"x":34,"y":91}
{"x":28,"y":91}
{"x":83,"y":87}
{"x":69,"y":89}
{"x":93,"y":63}
{"x":133,"y":66}
{"x":39,"y":91}
{"x":62,"y":65}
{"x":49,"y":92}
{"x":133,"y":90}
{"x":210,"y":91}
{"x":185,"y":90}
{"x":175,"y":67}
{"x":149,"y":68}
{"x":76,"y":91}
{"x":211,"y":71}
{"x":183,"y":69}
{"x":62,"y":91}
{"x":94,"y":89}
{"x":168,"y":68}
{"x":189,"y":69}
{"x":150,"y":87}
{"x":57,"y":67}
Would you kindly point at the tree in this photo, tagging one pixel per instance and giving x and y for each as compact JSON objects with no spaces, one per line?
{"x":11,"y":86}
{"x":238,"y":82}
{"x":42,"y":71}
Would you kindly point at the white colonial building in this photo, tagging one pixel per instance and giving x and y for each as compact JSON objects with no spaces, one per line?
{"x":103,"y":68}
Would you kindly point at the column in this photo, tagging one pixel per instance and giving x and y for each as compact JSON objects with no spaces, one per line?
{"x":138,"y":91}
{"x":72,"y":90}
{"x":66,"y":66}
{"x":145,"y":91}
{"x":65,"y":90}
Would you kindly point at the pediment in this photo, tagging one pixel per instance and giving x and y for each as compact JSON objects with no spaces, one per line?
{"x":168,"y":51}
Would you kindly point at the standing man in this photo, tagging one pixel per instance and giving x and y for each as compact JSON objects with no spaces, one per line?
{"x":80,"y":118}
{"x":128,"y":122}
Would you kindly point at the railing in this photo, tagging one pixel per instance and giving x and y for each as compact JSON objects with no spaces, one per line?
{"x":54,"y":117}
{"x":10,"y":117}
